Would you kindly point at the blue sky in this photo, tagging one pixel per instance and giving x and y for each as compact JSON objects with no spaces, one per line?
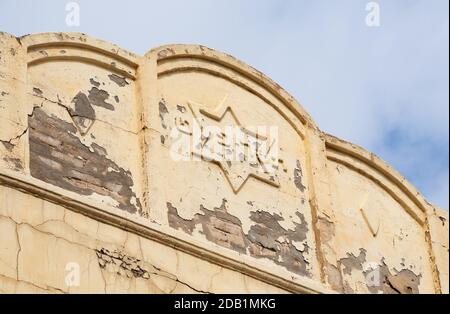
{"x":383,"y":88}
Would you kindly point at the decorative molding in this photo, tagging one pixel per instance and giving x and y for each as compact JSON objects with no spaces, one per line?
{"x":164,"y":62}
{"x":164,"y":235}
{"x":176,"y":59}
{"x":48,"y":47}
{"x":370,"y":166}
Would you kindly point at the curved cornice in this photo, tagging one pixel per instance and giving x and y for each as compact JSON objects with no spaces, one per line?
{"x":46,"y":47}
{"x":161,"y":234}
{"x":169,"y":53}
{"x":43,"y":47}
{"x":373,"y":167}
{"x":169,"y":59}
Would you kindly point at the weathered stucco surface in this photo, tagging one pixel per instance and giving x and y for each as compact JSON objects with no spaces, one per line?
{"x":88,"y":177}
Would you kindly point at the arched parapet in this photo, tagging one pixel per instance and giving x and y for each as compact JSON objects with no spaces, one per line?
{"x":96,"y":130}
{"x":69,"y":98}
{"x":48,"y":47}
{"x":231,"y":202}
{"x":374,"y":168}
{"x":368,"y":196}
{"x":385,"y":216}
{"x":190,"y":58}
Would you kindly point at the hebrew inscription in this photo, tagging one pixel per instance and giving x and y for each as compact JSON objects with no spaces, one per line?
{"x":241,"y":152}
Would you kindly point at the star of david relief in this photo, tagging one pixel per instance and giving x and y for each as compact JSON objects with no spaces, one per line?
{"x":242,"y":155}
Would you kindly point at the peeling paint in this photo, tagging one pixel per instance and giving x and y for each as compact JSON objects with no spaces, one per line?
{"x":298,"y":174}
{"x":222,"y":228}
{"x":352,"y":262}
{"x":162,"y":112}
{"x":94,"y":82}
{"x":16,"y":162}
{"x":122,"y":264}
{"x":83,"y":114}
{"x":98,"y":97}
{"x":176,"y":222}
{"x":120,"y":81}
{"x":402,"y":282}
{"x":266,"y":239}
{"x":181,"y":109}
{"x":58,"y":157}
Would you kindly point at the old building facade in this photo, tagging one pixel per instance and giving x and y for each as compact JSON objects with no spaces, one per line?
{"x":105,"y":184}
